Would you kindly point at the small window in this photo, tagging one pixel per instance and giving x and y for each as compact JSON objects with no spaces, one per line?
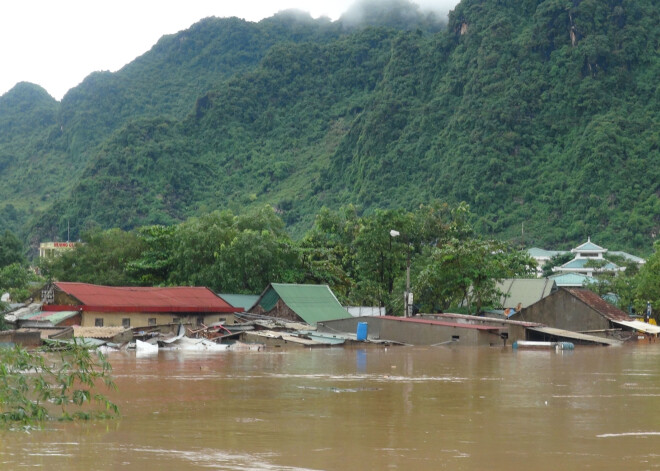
{"x":152,"y":321}
{"x":176,"y":320}
{"x":200,"y":320}
{"x":98,"y":322}
{"x":126,"y":322}
{"x":222,"y":319}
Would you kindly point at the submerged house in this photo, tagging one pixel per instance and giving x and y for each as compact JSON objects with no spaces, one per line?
{"x":299,"y":303}
{"x":583,"y":311}
{"x":128,"y":307}
{"x":433,"y":330}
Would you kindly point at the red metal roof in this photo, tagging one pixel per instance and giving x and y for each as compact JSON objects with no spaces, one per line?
{"x":138,"y":299}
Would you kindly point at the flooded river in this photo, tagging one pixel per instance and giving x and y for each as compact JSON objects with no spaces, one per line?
{"x":400,"y":408}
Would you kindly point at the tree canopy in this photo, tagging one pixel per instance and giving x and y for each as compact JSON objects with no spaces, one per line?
{"x":356,"y":255}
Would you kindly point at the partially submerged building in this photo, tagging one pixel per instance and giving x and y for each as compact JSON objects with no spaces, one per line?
{"x":423,"y":330}
{"x":130,"y":307}
{"x":583,"y":311}
{"x":299,"y":303}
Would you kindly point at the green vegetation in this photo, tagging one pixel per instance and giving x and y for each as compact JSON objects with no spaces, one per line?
{"x":645,"y":286}
{"x":15,"y":274}
{"x":35,"y":387}
{"x":556,"y":260}
{"x":542,"y":113}
{"x":355,"y":255}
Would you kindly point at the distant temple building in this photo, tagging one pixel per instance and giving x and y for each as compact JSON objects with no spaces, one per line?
{"x":589,"y":259}
{"x":50,"y":249}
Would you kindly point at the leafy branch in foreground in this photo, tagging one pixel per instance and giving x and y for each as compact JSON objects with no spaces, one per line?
{"x":36,"y":386}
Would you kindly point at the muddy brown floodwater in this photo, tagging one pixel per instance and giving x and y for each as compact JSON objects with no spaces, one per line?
{"x":400,"y":408}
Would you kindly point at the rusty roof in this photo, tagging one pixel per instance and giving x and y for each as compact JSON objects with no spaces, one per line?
{"x":145,"y":299}
{"x":597,"y":303}
{"x":98,"y":332}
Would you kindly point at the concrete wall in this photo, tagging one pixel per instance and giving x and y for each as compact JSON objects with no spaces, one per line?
{"x":564,"y":311}
{"x":413,"y":333}
{"x":515,"y":330}
{"x":71,"y":321}
{"x":140,"y":319}
{"x":24,"y":339}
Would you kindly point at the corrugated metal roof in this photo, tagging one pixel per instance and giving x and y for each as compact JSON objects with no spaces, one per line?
{"x":246,"y":301}
{"x":52,"y":317}
{"x":627,"y":256}
{"x":568,"y":334}
{"x":313,"y":303}
{"x":525,"y":291}
{"x":640,"y":326}
{"x":98,"y":332}
{"x":579,"y":263}
{"x":573,"y":279}
{"x":589,"y":246}
{"x":284,"y":336}
{"x":597,"y":303}
{"x":140,"y":299}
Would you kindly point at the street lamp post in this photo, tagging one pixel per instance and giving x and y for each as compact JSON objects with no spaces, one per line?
{"x":407,"y":295}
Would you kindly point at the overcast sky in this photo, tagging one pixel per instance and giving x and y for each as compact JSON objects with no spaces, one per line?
{"x":57,"y":43}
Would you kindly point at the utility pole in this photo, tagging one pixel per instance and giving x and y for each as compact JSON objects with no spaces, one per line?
{"x":408,"y":293}
{"x":407,"y":296}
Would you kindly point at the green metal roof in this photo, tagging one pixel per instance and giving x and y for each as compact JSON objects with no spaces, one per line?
{"x":313,"y":303}
{"x":54,"y":317}
{"x":246,"y":301}
{"x":589,"y":246}
{"x":576,"y":263}
{"x":579,"y":263}
{"x":572,"y":279}
{"x":627,"y":256}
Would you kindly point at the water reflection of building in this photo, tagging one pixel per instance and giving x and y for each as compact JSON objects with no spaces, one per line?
{"x":50,"y":249}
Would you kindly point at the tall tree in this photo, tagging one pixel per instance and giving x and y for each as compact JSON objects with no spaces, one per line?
{"x":11,"y":249}
{"x":648,"y":283}
{"x":102,"y":258}
{"x":467,"y":271}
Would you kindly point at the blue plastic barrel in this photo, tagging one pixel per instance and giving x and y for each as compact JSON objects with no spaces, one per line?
{"x":362,"y":331}
{"x":565,"y":346}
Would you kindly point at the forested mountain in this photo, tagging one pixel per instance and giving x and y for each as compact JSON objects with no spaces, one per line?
{"x":537,"y":112}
